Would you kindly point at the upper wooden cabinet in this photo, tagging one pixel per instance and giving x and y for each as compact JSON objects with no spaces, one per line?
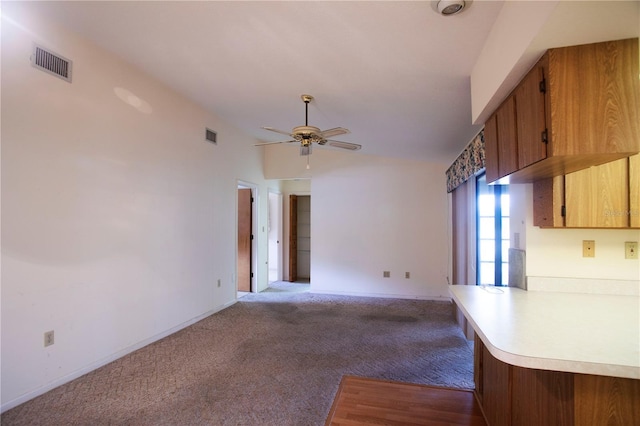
{"x":579,"y":106}
{"x":603,"y":196}
{"x":634,"y":191}
{"x":501,"y":139}
{"x":530,"y":117}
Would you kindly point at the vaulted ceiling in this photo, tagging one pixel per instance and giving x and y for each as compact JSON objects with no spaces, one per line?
{"x":397,"y":74}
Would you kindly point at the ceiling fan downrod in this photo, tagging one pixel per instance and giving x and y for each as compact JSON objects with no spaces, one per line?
{"x":306,"y":99}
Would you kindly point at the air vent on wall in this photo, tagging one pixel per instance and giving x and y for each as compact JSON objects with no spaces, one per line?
{"x":52,"y":63}
{"x":211,"y":136}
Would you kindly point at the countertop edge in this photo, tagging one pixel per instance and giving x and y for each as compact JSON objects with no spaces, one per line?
{"x":521,"y":360}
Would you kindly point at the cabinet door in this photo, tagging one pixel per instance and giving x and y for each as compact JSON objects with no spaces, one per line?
{"x":594,"y":98}
{"x":634,"y":191}
{"x":598,"y":197}
{"x":530,"y":118}
{"x":548,"y":202}
{"x":507,"y":137}
{"x":491,"y":149}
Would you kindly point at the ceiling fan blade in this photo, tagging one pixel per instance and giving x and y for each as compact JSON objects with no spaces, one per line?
{"x":344,"y":145}
{"x":334,"y":132}
{"x":282,"y":132}
{"x":271,"y":143}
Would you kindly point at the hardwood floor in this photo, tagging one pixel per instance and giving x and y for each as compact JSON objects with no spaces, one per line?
{"x":361,"y":401}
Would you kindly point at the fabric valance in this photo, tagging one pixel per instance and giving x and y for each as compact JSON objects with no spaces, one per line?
{"x":468,"y":163}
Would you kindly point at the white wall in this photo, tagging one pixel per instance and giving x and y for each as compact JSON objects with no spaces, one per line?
{"x":554,"y":256}
{"x":117,"y":221}
{"x":371,"y":214}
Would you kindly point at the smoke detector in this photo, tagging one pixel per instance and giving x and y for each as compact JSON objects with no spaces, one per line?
{"x":450,"y":7}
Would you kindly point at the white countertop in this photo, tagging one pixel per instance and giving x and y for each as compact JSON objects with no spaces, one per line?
{"x":573,"y":332}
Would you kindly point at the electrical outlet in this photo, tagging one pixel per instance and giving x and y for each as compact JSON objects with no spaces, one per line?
{"x":588,"y":248}
{"x":48,"y":338}
{"x":407,"y":275}
{"x":386,"y":274}
{"x":631,"y":250}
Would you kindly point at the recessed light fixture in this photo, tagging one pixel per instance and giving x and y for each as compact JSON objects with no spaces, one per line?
{"x":450,"y":7}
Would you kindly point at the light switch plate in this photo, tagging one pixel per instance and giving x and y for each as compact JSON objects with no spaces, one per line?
{"x":631,"y":250}
{"x":48,"y":338}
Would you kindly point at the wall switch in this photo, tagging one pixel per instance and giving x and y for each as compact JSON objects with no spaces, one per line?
{"x":48,"y":338}
{"x":386,"y":274}
{"x":588,"y":248}
{"x":407,"y":275}
{"x":631,"y":250}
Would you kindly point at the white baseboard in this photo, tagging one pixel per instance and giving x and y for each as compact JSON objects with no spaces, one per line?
{"x":385,"y":295}
{"x":100,"y":363}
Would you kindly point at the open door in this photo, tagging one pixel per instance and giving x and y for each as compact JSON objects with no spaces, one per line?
{"x":293,"y":238}
{"x":244,"y":239}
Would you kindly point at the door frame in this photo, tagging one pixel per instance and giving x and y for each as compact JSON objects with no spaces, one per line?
{"x":255,"y":194}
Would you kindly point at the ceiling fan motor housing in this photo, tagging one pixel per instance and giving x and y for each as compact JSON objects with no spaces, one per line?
{"x":308,"y":134}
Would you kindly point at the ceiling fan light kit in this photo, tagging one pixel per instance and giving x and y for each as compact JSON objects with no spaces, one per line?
{"x":308,"y":135}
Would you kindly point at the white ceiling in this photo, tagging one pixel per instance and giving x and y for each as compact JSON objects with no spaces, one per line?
{"x":395,"y":73}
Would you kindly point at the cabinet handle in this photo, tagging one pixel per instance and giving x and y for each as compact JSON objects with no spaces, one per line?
{"x":544,"y":136}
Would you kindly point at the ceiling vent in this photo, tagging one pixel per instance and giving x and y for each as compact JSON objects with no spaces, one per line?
{"x":211,"y":136}
{"x":450,"y":7}
{"x":51,"y":63}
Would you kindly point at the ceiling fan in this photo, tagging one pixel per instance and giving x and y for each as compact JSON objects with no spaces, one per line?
{"x":308,"y":135}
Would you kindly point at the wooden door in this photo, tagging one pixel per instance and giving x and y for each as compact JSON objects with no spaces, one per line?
{"x":244,"y":239}
{"x":594,"y":98}
{"x":634,"y":191}
{"x":598,"y":197}
{"x":548,"y":202}
{"x":507,"y":137}
{"x":530,"y":113}
{"x":293,"y":238}
{"x":491,"y":149}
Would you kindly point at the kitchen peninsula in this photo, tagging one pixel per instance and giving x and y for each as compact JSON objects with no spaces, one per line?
{"x":554,"y":358}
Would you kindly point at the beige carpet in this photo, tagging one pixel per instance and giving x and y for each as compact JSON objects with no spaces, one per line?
{"x":274,"y":358}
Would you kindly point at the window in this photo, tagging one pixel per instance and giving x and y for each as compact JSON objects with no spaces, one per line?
{"x":492,"y":233}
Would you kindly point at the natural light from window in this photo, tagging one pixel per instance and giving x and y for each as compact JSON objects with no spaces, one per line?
{"x":493,"y":233}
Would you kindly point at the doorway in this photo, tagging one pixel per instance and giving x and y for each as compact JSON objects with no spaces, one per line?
{"x":246,"y":257}
{"x":274,"y":235}
{"x":299,"y":238}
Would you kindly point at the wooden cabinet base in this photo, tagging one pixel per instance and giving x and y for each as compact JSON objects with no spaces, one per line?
{"x":601,"y":400}
{"x":541,"y":397}
{"x":530,"y":397}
